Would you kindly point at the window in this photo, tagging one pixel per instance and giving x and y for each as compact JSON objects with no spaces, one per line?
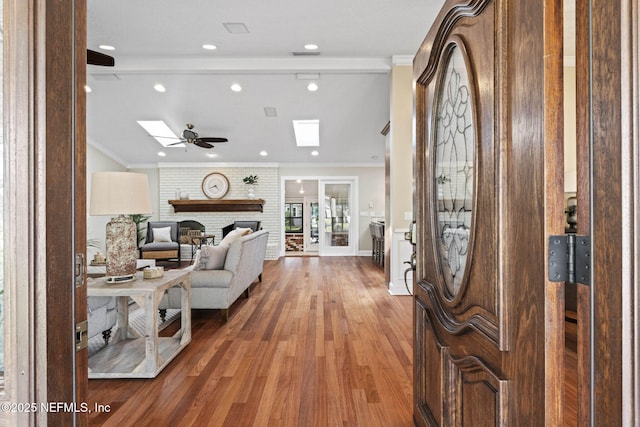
{"x":293,"y":217}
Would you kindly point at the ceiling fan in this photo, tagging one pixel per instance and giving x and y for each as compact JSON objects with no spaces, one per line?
{"x":97,"y":58}
{"x":191,"y":137}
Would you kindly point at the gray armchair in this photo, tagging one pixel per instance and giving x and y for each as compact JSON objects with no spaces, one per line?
{"x":161,"y":250}
{"x":254,"y":225}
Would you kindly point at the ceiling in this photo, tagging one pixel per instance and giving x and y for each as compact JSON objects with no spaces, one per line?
{"x":160,"y":42}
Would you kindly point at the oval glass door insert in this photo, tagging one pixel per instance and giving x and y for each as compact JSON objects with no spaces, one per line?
{"x":454,"y":169}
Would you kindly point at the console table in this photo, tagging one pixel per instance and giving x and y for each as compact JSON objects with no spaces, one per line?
{"x":130,"y":355}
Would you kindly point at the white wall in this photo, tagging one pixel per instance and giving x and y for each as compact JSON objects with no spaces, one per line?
{"x":401,"y":148}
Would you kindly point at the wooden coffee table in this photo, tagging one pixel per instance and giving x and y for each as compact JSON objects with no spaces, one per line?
{"x":130,"y":355}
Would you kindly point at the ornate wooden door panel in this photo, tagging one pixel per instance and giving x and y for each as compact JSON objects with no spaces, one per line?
{"x":481,"y":175}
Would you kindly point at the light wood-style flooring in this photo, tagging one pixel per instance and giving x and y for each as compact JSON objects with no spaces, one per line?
{"x":320,"y":342}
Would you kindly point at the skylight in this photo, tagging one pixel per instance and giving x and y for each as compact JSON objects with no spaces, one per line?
{"x":307,"y":132}
{"x":161,"y":132}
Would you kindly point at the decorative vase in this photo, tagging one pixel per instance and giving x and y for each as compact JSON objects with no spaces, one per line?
{"x":250,"y":191}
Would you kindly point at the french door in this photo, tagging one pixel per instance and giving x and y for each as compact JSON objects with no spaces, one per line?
{"x":311,"y":221}
{"x":337,"y":221}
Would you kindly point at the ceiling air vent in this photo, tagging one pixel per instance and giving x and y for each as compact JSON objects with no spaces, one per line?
{"x":270,"y":112}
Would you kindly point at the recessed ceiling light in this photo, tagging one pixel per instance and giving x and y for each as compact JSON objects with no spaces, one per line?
{"x":301,"y":190}
{"x":299,"y":181}
{"x":264,"y":153}
{"x":314,"y":153}
{"x":209,"y":46}
{"x":307,"y":132}
{"x":312,"y":87}
{"x":311,"y":46}
{"x":161,"y":153}
{"x":159,"y":88}
{"x":106,"y":47}
{"x":212,"y":155}
{"x":236,"y":87}
{"x":87,"y":88}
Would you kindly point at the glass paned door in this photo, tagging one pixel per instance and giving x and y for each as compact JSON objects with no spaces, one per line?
{"x":336,"y":207}
{"x":311,"y":221}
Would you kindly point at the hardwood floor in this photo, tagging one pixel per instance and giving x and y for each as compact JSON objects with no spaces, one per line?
{"x":320,"y":342}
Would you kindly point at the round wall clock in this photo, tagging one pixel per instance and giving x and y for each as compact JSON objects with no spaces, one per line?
{"x":215,"y":185}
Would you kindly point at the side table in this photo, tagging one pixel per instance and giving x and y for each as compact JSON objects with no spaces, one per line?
{"x":202,"y":239}
{"x":130,"y":354}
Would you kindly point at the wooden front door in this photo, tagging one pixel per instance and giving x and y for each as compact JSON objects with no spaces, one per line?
{"x":489,"y":190}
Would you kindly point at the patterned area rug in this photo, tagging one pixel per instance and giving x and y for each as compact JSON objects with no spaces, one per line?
{"x":136,"y":321}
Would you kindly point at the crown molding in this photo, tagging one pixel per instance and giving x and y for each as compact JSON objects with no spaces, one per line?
{"x":402,"y":60}
{"x":200,"y":65}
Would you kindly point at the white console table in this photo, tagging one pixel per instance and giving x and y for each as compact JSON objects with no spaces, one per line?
{"x":131,"y":355}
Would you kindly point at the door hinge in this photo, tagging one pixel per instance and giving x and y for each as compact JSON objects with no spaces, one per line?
{"x":82,"y":339}
{"x":79,"y":270}
{"x":570,"y":259}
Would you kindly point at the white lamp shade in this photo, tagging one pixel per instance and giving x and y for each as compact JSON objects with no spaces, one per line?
{"x":119,"y":193}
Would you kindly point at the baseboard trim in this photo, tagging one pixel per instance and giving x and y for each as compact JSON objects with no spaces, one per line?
{"x":398,"y":289}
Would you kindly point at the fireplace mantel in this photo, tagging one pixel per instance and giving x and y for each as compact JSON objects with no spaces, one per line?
{"x":217,"y":205}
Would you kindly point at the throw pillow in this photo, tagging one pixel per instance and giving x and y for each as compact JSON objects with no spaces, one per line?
{"x":210,"y":258}
{"x":161,"y":234}
{"x":234,"y":235}
{"x":196,"y":261}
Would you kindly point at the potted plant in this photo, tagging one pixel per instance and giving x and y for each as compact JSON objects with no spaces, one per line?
{"x":250,"y":180}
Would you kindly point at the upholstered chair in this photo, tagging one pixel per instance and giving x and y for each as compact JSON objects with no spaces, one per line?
{"x":254,"y":225}
{"x":162,"y":241}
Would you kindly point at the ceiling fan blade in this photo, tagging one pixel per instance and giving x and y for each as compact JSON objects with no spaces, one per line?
{"x":98,"y":58}
{"x":200,"y":143}
{"x":176,"y":143}
{"x":212,"y":139}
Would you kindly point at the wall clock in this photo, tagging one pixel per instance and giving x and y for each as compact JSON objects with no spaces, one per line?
{"x":215,"y":185}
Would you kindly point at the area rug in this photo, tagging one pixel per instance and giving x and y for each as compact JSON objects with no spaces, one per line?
{"x":136,"y":321}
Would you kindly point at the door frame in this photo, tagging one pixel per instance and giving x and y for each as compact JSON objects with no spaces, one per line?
{"x":44,"y":122}
{"x":625,"y":11}
{"x":608,"y":129}
{"x":18,"y":215}
{"x":353,"y":180}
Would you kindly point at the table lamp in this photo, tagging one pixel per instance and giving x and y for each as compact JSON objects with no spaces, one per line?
{"x":120,"y":193}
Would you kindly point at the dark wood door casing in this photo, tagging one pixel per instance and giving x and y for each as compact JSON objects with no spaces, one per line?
{"x":63,"y":125}
{"x":608,"y":159}
{"x":480,"y":354}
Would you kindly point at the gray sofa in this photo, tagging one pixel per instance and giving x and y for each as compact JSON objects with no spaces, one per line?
{"x":218,"y":289}
{"x":101,"y":316}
